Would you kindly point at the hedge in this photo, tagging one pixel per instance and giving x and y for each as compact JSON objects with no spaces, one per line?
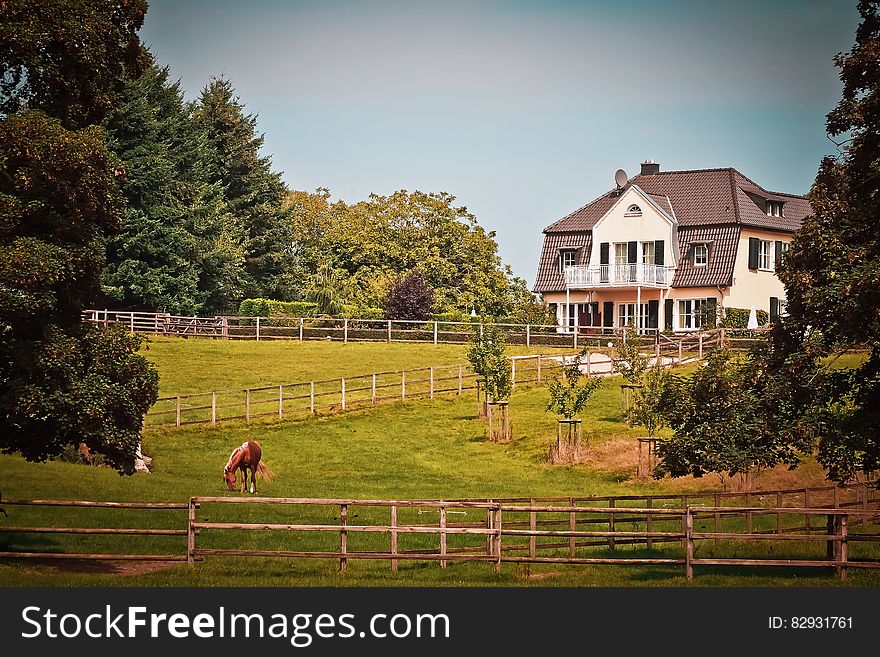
{"x":739,"y":318}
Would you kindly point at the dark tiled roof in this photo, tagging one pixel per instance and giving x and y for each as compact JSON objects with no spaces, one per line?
{"x":722,"y":242}
{"x":586,"y":217}
{"x":549,"y":277}
{"x":704,"y":198}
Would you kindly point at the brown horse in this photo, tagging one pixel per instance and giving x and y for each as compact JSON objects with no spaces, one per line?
{"x":244,"y":458}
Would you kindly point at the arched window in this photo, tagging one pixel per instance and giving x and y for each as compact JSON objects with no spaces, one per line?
{"x":633,"y":211}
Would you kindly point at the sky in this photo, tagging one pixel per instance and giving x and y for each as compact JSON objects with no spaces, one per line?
{"x":522,"y":110}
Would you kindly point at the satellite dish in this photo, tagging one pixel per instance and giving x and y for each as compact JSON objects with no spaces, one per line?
{"x":620,"y":177}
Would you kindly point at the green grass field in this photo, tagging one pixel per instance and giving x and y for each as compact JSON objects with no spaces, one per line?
{"x":420,"y":449}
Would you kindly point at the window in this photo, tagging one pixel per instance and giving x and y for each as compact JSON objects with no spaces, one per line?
{"x":620,"y":253}
{"x":701,"y":255}
{"x":626,"y":315}
{"x":691,"y":313}
{"x":647,"y":253}
{"x":567,"y":258}
{"x":775,"y":209}
{"x":765,"y":261}
{"x":633,"y":211}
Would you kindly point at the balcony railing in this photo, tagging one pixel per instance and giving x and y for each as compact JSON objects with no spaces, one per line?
{"x":616,"y":276}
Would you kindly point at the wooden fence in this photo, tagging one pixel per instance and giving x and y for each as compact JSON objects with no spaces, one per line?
{"x":656,"y":530}
{"x":355,"y":329}
{"x":92,"y":530}
{"x":297,"y":400}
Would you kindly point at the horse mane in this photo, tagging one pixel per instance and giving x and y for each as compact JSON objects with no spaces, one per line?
{"x":229,"y":467}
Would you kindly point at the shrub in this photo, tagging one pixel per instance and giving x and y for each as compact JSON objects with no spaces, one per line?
{"x":270,"y":307}
{"x":738,"y":318}
{"x":409,"y":297}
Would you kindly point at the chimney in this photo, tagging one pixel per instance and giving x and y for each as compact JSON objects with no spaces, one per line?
{"x":650,"y":167}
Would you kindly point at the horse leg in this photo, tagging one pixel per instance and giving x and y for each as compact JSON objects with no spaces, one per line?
{"x":243,"y":479}
{"x":253,"y":479}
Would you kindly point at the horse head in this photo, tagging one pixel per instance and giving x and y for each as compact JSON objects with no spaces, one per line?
{"x":229,"y":478}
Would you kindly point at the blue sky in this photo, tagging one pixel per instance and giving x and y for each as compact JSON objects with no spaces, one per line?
{"x":522,"y":110}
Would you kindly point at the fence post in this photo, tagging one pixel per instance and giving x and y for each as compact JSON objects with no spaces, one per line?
{"x":280,"y":402}
{"x":533,"y":526}
{"x":312,"y":397}
{"x":572,"y":527}
{"x":247,"y":405}
{"x":528,"y":335}
{"x":701,"y":345}
{"x":403,"y":385}
{"x":258,"y":329}
{"x":539,"y":368}
{"x":345,"y":330}
{"x":498,"y":538}
{"x":343,"y":536}
{"x":435,"y":332}
{"x":191,"y":533}
{"x":807,"y":519}
{"x":301,"y":321}
{"x":132,"y":323}
{"x":717,"y":519}
{"x":343,"y":394}
{"x":389,"y":330}
{"x":611,"y":527}
{"x":748,"y":514}
{"x":442,"y":536}
{"x":213,"y":408}
{"x":842,"y":552}
{"x":393,"y":538}
{"x":575,"y":336}
{"x":460,"y":376}
{"x":178,"y":411}
{"x":431,"y":393}
{"x":649,"y":523}
{"x":689,"y":540}
{"x":779,"y":514}
{"x":373,"y":393}
{"x":513,"y":372}
{"x":680,"y":354}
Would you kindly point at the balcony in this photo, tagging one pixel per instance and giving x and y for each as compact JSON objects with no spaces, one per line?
{"x":621,"y":276}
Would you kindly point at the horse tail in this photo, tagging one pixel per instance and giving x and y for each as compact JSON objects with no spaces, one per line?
{"x":264,"y":471}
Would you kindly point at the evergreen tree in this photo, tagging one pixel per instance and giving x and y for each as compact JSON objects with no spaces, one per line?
{"x":254,"y":193}
{"x":179,"y":250}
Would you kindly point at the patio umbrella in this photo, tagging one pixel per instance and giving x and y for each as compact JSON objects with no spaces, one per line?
{"x":753,"y":319}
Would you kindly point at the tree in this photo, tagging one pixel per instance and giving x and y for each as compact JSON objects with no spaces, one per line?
{"x":720,"y":417}
{"x":375,"y":241}
{"x":410,"y":297}
{"x":570,"y":393}
{"x":487,"y":359}
{"x":253,"y":191}
{"x":650,"y":401}
{"x":62,"y":383}
{"x":180,"y":250}
{"x":69,"y":58}
{"x":832,"y":271}
{"x":629,"y":361}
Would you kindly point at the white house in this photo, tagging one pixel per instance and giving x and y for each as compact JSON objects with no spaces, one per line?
{"x":665,"y":248}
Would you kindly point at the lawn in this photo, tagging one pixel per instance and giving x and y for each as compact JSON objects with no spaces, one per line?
{"x":418,"y":449}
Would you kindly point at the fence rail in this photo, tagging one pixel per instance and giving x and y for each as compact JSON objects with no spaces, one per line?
{"x":559,"y":530}
{"x":276,"y":327}
{"x":298,"y":400}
